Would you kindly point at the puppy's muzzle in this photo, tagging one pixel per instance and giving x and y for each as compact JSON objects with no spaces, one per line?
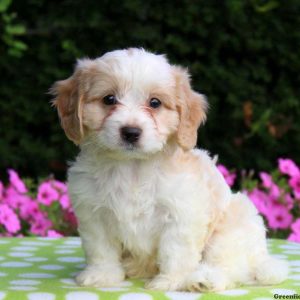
{"x":130,"y":134}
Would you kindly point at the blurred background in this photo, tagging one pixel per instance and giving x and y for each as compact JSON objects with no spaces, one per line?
{"x":244,"y":55}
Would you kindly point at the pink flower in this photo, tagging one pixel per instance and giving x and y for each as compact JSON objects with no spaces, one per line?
{"x":293,"y":237}
{"x":65,"y":201}
{"x":40,"y":225}
{"x":267,"y":182}
{"x":288,"y":167}
{"x":260,"y":199}
{"x":294,"y":183}
{"x":53,"y":234}
{"x":30,"y":210}
{"x":266,"y":179}
{"x":229,"y":176}
{"x":47,"y":194}
{"x":9,"y":219}
{"x":279,"y":217}
{"x":70,"y":218}
{"x":296,"y":226}
{"x":60,"y":186}
{"x":1,"y":190}
{"x":288,"y":201}
{"x":274,"y":192}
{"x":14,"y":199}
{"x":16,"y":182}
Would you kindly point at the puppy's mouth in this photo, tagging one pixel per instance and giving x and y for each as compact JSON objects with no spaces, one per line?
{"x":130,"y":147}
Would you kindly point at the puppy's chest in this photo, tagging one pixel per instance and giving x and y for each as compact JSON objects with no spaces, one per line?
{"x":132,"y":194}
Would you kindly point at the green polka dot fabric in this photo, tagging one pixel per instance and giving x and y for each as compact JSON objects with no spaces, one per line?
{"x":43,"y":269}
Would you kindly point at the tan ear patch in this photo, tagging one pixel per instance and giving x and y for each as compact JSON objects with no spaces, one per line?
{"x":69,"y":105}
{"x":191,"y":107}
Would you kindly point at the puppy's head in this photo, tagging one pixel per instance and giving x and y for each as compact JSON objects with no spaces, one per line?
{"x":129,"y":103}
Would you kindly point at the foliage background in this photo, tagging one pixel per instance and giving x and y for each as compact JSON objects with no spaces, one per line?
{"x":244,"y":55}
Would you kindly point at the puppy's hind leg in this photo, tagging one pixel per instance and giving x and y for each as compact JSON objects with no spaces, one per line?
{"x":270,"y":270}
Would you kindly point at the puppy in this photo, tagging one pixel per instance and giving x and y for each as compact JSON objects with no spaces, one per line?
{"x":148,"y":204}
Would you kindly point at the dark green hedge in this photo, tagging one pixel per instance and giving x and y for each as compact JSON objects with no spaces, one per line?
{"x":244,"y":55}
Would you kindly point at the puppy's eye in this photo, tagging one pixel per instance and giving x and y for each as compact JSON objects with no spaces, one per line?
{"x":110,"y":100}
{"x":155,"y":103}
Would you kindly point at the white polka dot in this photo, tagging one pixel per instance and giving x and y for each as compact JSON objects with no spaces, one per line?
{"x":113,"y":289}
{"x":295,"y":283}
{"x":279,"y":256}
{"x":234,"y":292}
{"x":71,"y":259}
{"x":125,"y":283}
{"x":37,"y":275}
{"x":23,"y":288}
{"x":82,"y":295}
{"x":32,"y":243}
{"x":2,"y":295}
{"x":24,"y":282}
{"x":4,"y":242}
{"x":68,"y":281}
{"x":283,"y":292}
{"x":36,"y":259}
{"x":183,"y":295}
{"x":135,"y":296}
{"x":294,"y":277}
{"x":294,"y":263}
{"x":68,"y":247}
{"x":15,"y":264}
{"x":39,"y":296}
{"x":296,"y":269}
{"x":292,"y":252}
{"x":20,"y":254}
{"x":24,"y":248}
{"x":64,"y":251}
{"x":81,"y":266}
{"x":2,"y":274}
{"x":290,"y":246}
{"x":51,"y":267}
{"x":76,"y":242}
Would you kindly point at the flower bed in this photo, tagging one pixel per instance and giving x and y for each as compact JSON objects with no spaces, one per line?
{"x":276,"y":195}
{"x":28,"y":209}
{"x":44,"y":209}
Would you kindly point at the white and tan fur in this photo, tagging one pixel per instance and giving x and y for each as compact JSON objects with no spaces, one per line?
{"x":159,"y":209}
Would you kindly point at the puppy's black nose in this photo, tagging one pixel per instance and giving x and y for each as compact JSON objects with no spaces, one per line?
{"x":131,"y":134}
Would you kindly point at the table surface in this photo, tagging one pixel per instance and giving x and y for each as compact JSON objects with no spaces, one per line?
{"x":43,"y":269}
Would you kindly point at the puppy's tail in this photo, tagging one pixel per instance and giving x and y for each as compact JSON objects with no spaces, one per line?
{"x":271,"y":270}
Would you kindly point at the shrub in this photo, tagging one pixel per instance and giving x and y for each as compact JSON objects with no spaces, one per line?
{"x":243,"y":55}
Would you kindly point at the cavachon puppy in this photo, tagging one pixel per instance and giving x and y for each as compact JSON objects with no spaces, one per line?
{"x":148,"y":204}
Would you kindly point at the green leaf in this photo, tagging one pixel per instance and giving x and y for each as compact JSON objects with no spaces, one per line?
{"x":4,"y":4}
{"x":265,"y":7}
{"x":17,"y":29}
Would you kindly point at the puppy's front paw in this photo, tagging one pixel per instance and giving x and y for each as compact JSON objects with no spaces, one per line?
{"x":164,"y":283}
{"x":207,"y":279}
{"x":98,"y":276}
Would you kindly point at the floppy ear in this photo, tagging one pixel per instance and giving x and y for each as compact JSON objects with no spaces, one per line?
{"x":68,"y":102}
{"x":191,"y":107}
